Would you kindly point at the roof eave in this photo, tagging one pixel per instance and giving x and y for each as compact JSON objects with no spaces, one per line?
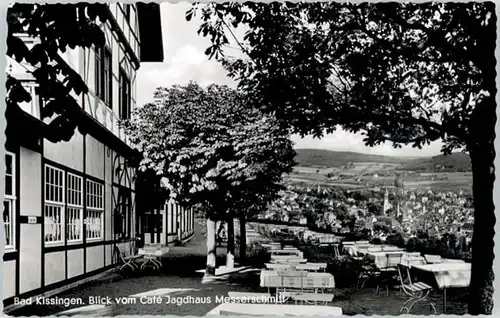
{"x":149,"y":18}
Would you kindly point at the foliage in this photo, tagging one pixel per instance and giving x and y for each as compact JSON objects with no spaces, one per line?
{"x":211,"y":148}
{"x":56,"y":28}
{"x":396,"y":240}
{"x":403,"y":73}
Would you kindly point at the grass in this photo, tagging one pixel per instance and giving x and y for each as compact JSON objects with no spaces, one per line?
{"x":444,"y":181}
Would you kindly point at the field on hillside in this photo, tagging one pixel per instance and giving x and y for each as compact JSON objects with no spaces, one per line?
{"x":366,"y":174}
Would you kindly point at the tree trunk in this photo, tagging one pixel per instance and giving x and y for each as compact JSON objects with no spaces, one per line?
{"x":230,"y":243}
{"x":482,"y":154}
{"x":243,"y":240}
{"x":211,"y":249}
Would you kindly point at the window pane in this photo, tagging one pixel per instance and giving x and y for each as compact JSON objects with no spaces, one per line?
{"x":8,"y":185}
{"x":8,"y":164}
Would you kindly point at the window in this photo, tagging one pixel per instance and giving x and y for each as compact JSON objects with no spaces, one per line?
{"x":95,"y":209}
{"x":124,"y":95}
{"x":74,"y":213}
{"x":103,"y":74}
{"x":98,"y":71}
{"x":122,"y":216}
{"x":9,"y":201}
{"x":54,"y":205}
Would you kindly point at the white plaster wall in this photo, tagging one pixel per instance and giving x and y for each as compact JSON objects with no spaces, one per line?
{"x":30,"y":257}
{"x":69,"y":154}
{"x":95,"y":258}
{"x":75,"y":262}
{"x":109,"y":254}
{"x":94,"y":157}
{"x":30,"y":183}
{"x":9,"y":279}
{"x":54,"y":267}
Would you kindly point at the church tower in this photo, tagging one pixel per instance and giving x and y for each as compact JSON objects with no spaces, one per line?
{"x":386,"y":201}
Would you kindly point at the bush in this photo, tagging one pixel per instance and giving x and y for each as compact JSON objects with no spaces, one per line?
{"x":345,"y":271}
{"x":257,"y":255}
{"x":376,"y":241}
{"x":396,"y":240}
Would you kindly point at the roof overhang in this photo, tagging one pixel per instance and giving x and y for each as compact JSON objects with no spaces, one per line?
{"x":149,"y":18}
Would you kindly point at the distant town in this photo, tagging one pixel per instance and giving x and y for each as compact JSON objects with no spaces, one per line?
{"x":378,"y":199}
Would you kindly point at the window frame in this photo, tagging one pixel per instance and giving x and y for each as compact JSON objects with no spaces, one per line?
{"x":74,"y":206}
{"x":11,"y":199}
{"x":123,"y":214}
{"x":55,"y":205}
{"x":103,"y":73}
{"x":125,"y":100}
{"x":95,"y":208}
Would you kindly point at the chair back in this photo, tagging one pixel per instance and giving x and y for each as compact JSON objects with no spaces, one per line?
{"x":394,"y":259}
{"x":412,"y":261}
{"x":292,"y":273}
{"x":121,"y":252}
{"x":433,"y":259}
{"x":390,"y":248}
{"x":413,"y":254}
{"x":336,"y":251}
{"x":404,"y":277}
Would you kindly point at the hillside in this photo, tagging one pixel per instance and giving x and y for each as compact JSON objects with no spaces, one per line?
{"x":330,"y":159}
{"x":456,"y":162}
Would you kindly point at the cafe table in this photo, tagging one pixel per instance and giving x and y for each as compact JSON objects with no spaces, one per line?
{"x":382,"y":258}
{"x":311,"y":267}
{"x":310,"y":280}
{"x":251,"y":309}
{"x":444,"y":275}
{"x":153,"y":255}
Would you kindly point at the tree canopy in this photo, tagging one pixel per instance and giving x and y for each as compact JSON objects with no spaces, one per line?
{"x":403,"y":73}
{"x":56,"y":28}
{"x":212,"y":150}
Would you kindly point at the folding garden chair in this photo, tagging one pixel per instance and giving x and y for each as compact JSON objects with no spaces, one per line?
{"x":418,"y":292}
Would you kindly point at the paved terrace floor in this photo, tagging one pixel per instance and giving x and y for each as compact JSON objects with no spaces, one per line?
{"x":180,"y":279}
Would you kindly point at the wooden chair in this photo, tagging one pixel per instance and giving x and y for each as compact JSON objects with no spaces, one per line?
{"x":127,"y":259}
{"x":388,"y":273}
{"x":418,"y":292}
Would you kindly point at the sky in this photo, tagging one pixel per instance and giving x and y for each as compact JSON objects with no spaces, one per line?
{"x":184,"y":61}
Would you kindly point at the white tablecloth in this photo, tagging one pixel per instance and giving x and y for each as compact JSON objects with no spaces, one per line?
{"x":380,"y":258}
{"x":310,"y":266}
{"x":153,"y":251}
{"x":270,"y":278}
{"x":275,"y":310}
{"x":286,"y":252}
{"x":448,"y":274}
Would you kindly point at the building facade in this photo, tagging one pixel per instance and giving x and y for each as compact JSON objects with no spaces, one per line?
{"x":68,"y":205}
{"x":169,"y":224}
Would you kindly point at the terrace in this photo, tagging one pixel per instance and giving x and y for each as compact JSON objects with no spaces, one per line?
{"x":181,"y":277}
